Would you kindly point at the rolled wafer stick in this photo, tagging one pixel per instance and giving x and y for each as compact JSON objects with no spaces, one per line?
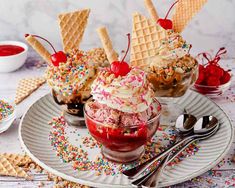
{"x":107,"y":44}
{"x":39,"y":48}
{"x":152,"y":11}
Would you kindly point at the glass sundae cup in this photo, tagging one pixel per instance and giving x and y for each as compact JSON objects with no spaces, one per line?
{"x":123,"y":114}
{"x":70,"y":83}
{"x":172,"y":72}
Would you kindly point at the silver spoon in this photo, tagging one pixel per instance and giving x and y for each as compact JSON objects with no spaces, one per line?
{"x":184,"y":127}
{"x":209,"y":126}
{"x":153,"y":180}
{"x":136,"y":171}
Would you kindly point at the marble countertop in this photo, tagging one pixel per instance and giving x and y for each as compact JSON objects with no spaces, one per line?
{"x":212,"y":28}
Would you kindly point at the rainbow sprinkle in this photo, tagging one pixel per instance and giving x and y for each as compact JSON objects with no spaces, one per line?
{"x":5,"y":109}
{"x":78,"y":155}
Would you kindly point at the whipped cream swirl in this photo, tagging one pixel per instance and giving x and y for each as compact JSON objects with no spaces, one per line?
{"x":172,"y":47}
{"x":131,"y":93}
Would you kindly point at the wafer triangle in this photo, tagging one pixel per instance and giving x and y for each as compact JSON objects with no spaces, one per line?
{"x":72,"y":27}
{"x":26,"y":87}
{"x":8,"y":169}
{"x":146,"y":39}
{"x":17,"y":159}
{"x":184,"y":12}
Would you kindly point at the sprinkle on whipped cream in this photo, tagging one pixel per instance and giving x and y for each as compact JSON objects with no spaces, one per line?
{"x":172,"y":47}
{"x":72,"y":76}
{"x":131,"y":93}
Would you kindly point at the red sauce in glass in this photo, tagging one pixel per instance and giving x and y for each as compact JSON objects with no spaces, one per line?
{"x":8,"y":50}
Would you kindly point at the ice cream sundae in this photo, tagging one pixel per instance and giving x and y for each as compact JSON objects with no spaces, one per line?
{"x":164,"y":54}
{"x":70,"y":72}
{"x":159,"y":49}
{"x":123,"y":114}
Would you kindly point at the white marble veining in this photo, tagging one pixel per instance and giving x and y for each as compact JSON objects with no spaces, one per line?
{"x":212,"y":28}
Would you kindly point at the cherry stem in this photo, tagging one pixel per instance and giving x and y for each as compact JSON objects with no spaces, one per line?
{"x":128,"y":47}
{"x":216,"y":60}
{"x":221,"y":49}
{"x":43,"y":39}
{"x":221,"y":53}
{"x":170,"y":9}
{"x":190,"y":47}
{"x":205,"y":56}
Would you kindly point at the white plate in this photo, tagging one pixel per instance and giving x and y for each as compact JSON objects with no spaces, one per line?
{"x":34,"y":131}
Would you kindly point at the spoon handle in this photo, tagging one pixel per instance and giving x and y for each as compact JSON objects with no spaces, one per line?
{"x":190,"y":142}
{"x":151,"y":175}
{"x":180,"y":150}
{"x":136,"y":171}
{"x":153,"y":180}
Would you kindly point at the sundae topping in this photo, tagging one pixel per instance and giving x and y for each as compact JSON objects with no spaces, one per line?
{"x":150,"y":7}
{"x":72,"y":28}
{"x":121,"y":68}
{"x":185,"y":10}
{"x":57,"y":57}
{"x":73,"y":76}
{"x":180,"y":65}
{"x":8,"y":50}
{"x":153,"y":46}
{"x":166,"y":23}
{"x":107,"y":44}
{"x":131,"y":93}
{"x":172,"y":48}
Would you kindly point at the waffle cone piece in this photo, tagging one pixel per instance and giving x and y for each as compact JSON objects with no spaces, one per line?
{"x":107,"y":44}
{"x":39,"y":48}
{"x":185,"y":10}
{"x":26,"y":87}
{"x":17,"y":159}
{"x":146,"y":39}
{"x":72,"y":27}
{"x":8,"y":169}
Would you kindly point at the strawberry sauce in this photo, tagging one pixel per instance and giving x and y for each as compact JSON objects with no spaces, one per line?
{"x":8,"y":50}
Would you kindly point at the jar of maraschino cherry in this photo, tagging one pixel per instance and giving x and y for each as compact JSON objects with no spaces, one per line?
{"x":213,"y":80}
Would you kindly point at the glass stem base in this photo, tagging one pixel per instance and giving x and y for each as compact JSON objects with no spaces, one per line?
{"x":74,"y":120}
{"x":122,"y":157}
{"x":170,"y":111}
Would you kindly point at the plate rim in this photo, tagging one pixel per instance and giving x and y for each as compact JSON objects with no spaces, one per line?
{"x":90,"y":183}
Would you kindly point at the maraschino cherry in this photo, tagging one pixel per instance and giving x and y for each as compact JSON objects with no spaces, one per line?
{"x":121,"y":68}
{"x":164,"y":22}
{"x":212,"y":74}
{"x":57,"y":57}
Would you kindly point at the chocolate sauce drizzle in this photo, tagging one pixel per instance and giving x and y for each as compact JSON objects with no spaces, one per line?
{"x":72,"y":106}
